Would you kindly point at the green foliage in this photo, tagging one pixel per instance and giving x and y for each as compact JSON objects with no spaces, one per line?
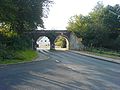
{"x":23,"y":14}
{"x":78,"y":24}
{"x":100,"y":28}
{"x":104,"y":51}
{"x":61,"y":41}
{"x":8,"y":46}
{"x":16,"y":18}
{"x":20,"y":56}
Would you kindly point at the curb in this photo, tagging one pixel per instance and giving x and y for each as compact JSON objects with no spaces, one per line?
{"x":97,"y":57}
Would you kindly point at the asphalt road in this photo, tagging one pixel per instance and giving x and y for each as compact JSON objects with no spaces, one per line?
{"x":64,"y":70}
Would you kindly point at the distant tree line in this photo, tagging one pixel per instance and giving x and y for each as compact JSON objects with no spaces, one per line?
{"x":100,"y":28}
{"x":17,"y":17}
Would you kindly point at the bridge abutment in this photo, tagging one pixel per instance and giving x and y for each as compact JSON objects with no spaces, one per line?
{"x":52,"y":45}
{"x":75,"y":42}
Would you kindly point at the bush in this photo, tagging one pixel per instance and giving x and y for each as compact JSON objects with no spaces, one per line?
{"x":104,"y":51}
{"x":117,"y":43}
{"x":10,"y":45}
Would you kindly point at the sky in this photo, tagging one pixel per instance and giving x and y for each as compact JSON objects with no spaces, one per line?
{"x":62,"y":10}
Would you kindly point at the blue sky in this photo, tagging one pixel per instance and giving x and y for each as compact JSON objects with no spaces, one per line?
{"x":62,"y":10}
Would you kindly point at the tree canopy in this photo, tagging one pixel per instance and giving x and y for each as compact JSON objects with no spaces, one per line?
{"x":17,"y":17}
{"x":23,"y":15}
{"x":100,"y":28}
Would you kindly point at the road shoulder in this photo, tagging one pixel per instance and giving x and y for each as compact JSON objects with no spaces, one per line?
{"x":41,"y":57}
{"x":97,"y":57}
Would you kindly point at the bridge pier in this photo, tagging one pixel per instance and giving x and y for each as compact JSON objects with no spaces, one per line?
{"x":52,"y":45}
{"x":33,"y":44}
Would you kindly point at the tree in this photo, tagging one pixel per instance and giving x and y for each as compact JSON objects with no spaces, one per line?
{"x":23,"y":15}
{"x":61,"y":41}
{"x":78,"y":24}
{"x":100,"y":28}
{"x":17,"y":17}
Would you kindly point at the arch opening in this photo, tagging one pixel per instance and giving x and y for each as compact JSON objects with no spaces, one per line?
{"x":43,"y":43}
{"x":61,"y":43}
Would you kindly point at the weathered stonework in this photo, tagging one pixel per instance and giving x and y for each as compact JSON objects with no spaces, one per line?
{"x":72,"y":41}
{"x":75,"y":42}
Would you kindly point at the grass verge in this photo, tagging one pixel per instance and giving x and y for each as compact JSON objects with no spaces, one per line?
{"x":104,"y":53}
{"x":20,"y":57}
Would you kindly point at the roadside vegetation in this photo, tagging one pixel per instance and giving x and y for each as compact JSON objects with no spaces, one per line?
{"x":17,"y":17}
{"x":103,"y":52}
{"x":99,"y":30}
{"x":20,"y":57}
{"x":60,"y":42}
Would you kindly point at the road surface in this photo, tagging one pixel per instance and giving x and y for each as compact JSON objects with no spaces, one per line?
{"x":63,"y":70}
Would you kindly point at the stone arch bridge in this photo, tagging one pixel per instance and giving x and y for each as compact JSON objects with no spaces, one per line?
{"x":74,"y":42}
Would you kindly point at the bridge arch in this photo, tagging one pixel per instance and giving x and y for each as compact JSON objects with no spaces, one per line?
{"x":67,"y":41}
{"x":74,"y":42}
{"x":51,"y":34}
{"x":43,"y":42}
